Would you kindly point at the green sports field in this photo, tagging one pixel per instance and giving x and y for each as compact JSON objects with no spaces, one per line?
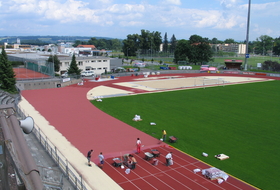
{"x":241,"y":121}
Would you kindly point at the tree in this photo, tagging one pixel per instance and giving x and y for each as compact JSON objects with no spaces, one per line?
{"x":73,"y":69}
{"x":229,"y":41}
{"x":215,"y":41}
{"x":180,"y":53}
{"x":156,"y":40}
{"x":271,"y":66}
{"x":93,"y":41}
{"x":276,"y":46}
{"x":131,"y":45}
{"x":144,"y":43}
{"x":173,"y":42}
{"x":199,"y":50}
{"x":7,"y":75}
{"x":165,"y":44}
{"x":102,"y":44}
{"x":264,"y":44}
{"x":116,"y":44}
{"x":54,"y":59}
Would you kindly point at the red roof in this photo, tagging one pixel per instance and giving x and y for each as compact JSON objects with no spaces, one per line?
{"x":87,"y":46}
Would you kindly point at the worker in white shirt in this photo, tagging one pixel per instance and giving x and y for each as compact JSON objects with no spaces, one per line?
{"x":168,"y":158}
{"x":101,"y":160}
{"x":138,"y":145}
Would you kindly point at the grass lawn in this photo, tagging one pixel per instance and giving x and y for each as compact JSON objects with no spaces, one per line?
{"x":252,"y":61}
{"x":241,"y":121}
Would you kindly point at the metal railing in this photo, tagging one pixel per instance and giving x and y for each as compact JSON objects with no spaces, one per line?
{"x":69,"y":171}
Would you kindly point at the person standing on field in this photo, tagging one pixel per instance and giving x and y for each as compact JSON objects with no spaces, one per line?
{"x":163,"y":135}
{"x":101,"y":160}
{"x":138,"y":145}
{"x":168,"y":158}
{"x":89,"y":157}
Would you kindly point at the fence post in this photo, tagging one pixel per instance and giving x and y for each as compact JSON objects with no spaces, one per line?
{"x":82,"y":187}
{"x":67,"y":170}
{"x":55,"y":150}
{"x":76,"y":185}
{"x":46,"y":144}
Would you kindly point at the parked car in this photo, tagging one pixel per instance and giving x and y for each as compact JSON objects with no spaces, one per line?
{"x":64,"y":75}
{"x":140,"y":64}
{"x":87,"y":73}
{"x":119,"y":70}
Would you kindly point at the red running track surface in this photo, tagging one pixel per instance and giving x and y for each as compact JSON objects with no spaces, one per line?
{"x":178,"y":176}
{"x":86,"y":127}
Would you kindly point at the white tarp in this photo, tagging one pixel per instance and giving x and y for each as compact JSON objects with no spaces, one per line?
{"x":214,"y":173}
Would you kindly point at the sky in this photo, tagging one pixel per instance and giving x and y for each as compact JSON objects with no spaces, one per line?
{"x":221,"y":19}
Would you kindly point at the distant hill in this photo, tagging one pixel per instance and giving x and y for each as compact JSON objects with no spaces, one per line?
{"x":46,"y":39}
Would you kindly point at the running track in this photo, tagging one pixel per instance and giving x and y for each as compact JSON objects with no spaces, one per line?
{"x":87,"y":127}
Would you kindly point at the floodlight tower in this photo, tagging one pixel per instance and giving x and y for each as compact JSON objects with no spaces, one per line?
{"x":247,"y":36}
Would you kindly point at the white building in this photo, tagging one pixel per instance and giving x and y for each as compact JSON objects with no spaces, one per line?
{"x":97,"y":64}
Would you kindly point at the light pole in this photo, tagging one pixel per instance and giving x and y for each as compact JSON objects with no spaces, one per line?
{"x":151,"y":49}
{"x":53,"y":64}
{"x":247,"y":35}
{"x":263,"y":47}
{"x":271,"y":50}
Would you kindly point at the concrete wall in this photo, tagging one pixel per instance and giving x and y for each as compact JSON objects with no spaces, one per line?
{"x":32,"y":85}
{"x":115,"y":62}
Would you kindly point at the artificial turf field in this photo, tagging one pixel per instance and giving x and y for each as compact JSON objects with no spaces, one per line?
{"x":241,"y":121}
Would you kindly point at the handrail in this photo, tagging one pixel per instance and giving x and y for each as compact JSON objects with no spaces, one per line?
{"x":69,"y":171}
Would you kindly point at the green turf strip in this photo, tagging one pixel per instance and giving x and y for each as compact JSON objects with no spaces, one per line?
{"x":241,"y":121}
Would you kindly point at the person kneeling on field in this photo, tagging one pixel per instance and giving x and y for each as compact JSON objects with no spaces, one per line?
{"x":137,"y":118}
{"x":132,"y":161}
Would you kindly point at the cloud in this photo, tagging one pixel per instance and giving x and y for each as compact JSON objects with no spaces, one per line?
{"x":228,"y":4}
{"x":172,"y":2}
{"x":126,"y":8}
{"x":131,"y":23}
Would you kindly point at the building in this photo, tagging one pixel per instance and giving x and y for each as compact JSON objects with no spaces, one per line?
{"x":92,"y":47}
{"x":233,"y":64}
{"x":233,"y":47}
{"x":98,"y":64}
{"x":73,"y":50}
